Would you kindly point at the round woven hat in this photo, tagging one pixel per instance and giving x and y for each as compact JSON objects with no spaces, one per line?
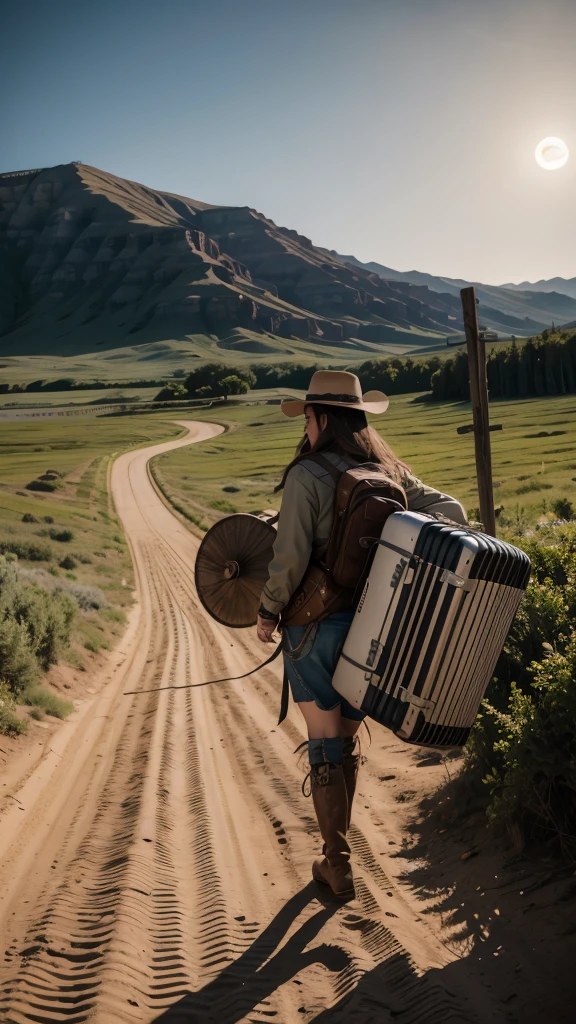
{"x":232,"y":567}
{"x":337,"y":387}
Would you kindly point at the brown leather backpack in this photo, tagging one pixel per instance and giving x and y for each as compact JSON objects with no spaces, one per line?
{"x":363,"y":500}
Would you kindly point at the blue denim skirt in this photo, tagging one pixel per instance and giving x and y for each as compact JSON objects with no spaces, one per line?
{"x":310,"y":672}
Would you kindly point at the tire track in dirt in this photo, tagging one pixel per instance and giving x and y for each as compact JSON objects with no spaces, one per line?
{"x":176,"y":886}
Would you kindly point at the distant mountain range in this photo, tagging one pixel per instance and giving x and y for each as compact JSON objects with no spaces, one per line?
{"x":499,"y":304}
{"x":90,"y":262}
{"x":564,"y":285}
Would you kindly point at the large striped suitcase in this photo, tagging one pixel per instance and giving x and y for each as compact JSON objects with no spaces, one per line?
{"x":429,"y":627}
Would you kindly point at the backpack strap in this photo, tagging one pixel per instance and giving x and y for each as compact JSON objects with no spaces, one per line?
{"x":321,"y":460}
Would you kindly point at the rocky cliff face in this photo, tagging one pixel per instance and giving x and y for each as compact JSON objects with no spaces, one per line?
{"x":91,"y":259}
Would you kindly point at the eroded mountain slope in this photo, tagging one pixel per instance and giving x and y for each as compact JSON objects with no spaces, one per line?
{"x":92,"y":260}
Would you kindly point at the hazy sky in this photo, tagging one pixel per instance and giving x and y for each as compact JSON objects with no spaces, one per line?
{"x":401,"y":131}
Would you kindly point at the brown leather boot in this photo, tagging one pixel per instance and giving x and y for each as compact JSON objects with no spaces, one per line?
{"x":331,"y":806}
{"x":350,"y":765}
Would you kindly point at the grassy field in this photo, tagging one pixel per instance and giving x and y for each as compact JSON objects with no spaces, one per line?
{"x":63,"y":398}
{"x":76,"y":520}
{"x":241,"y":348}
{"x":534,"y":456}
{"x":534,"y":460}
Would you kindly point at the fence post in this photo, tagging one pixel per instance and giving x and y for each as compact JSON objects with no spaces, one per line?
{"x":480,"y":415}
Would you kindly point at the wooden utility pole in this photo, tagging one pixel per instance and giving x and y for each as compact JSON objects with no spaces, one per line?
{"x":480,"y":417}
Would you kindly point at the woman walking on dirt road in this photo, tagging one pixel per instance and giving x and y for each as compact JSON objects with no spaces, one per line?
{"x":337,"y":439}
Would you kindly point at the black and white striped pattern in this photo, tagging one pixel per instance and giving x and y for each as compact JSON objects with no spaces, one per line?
{"x":429,"y":628}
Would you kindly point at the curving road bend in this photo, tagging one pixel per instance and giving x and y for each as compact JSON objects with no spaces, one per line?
{"x":157,"y":868}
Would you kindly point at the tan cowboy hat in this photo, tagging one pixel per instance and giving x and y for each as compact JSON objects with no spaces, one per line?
{"x":337,"y":387}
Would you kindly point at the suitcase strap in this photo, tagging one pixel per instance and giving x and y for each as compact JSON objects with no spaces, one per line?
{"x":398,"y":550}
{"x":413,"y":698}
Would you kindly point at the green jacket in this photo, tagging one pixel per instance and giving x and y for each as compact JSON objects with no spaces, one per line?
{"x":306,"y":520}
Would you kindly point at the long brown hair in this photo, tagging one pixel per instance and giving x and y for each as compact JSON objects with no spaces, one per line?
{"x":347,"y":433}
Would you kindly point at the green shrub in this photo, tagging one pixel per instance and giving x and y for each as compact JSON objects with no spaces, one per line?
{"x":68,"y":562}
{"x":524,"y":740}
{"x":49,"y":702}
{"x":171,"y":393}
{"x":43,"y":485}
{"x":534,"y":485}
{"x":223,"y":506}
{"x":29,"y":518}
{"x":32,"y":550}
{"x":232,"y":385}
{"x":546,"y":615}
{"x":64,"y":536}
{"x":87,"y":597}
{"x":35,"y":625}
{"x":10,"y":724}
{"x":114,"y":614}
{"x":74,"y":658}
{"x":207,"y":379}
{"x":48,"y":519}
{"x":18,"y":666}
{"x":548,"y":611}
{"x":46,"y":616}
{"x":556,"y":561}
{"x":562,"y":508}
{"x":533,"y":782}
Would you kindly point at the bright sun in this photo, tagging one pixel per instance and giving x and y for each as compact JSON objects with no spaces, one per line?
{"x":551,"y":153}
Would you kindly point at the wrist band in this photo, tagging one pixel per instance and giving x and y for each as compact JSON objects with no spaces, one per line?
{"x":265,"y":614}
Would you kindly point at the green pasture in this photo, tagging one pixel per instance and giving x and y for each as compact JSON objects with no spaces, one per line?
{"x":534,"y":456}
{"x":240,"y":347}
{"x":81,"y":450}
{"x":39,"y":399}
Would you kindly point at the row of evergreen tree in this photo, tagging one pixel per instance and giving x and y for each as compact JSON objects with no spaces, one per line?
{"x":538,"y":367}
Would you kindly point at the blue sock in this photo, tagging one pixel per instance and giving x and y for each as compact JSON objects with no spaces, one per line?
{"x":325,"y":751}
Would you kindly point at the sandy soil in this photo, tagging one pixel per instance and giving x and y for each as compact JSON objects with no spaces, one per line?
{"x":154,"y":867}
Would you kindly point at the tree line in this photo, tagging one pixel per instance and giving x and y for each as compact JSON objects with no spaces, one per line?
{"x":545,"y":366}
{"x":394,"y":376}
{"x":541,"y":366}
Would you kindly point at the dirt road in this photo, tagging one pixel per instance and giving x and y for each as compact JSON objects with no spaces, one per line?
{"x":157,"y":867}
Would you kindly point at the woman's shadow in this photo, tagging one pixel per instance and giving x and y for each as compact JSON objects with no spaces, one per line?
{"x":392,"y":990}
{"x":245,"y":983}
